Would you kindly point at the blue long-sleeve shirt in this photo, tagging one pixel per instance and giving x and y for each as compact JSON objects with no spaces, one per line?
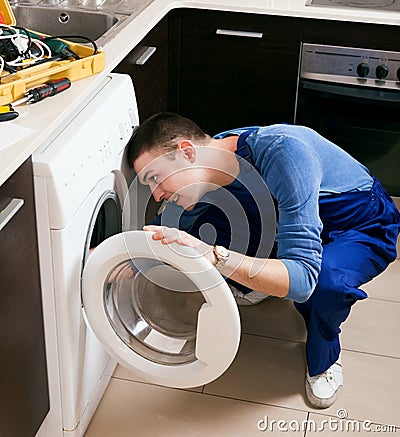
{"x":298,"y":166}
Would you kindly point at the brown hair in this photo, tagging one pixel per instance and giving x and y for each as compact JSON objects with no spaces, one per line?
{"x":162,"y":132}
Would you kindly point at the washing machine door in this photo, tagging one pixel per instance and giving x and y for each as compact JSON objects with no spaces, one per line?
{"x":161,"y":310}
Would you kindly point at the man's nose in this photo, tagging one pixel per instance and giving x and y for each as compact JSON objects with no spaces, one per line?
{"x":158,"y":193}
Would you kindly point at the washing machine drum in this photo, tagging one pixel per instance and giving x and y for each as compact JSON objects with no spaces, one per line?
{"x":161,"y":310}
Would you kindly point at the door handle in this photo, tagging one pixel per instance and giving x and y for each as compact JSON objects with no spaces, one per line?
{"x":146,"y":55}
{"x":9,"y":211}
{"x":240,"y":33}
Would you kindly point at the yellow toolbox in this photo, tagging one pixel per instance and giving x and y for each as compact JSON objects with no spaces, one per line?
{"x":14,"y":86}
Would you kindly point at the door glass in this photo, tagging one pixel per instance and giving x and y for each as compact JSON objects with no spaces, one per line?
{"x":153,"y":307}
{"x":108,"y":221}
{"x":368,"y":130}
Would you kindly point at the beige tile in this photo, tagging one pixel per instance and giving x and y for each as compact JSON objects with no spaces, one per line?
{"x":373,"y":327}
{"x":272,"y":372}
{"x":371,"y":388}
{"x":318,"y":424}
{"x":398,"y":248}
{"x":134,"y":409}
{"x":276,"y":318}
{"x":123,"y":373}
{"x":387,"y":284}
{"x":265,"y":370}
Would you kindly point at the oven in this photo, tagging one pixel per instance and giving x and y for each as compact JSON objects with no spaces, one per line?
{"x":380,"y":5}
{"x":352,"y":97}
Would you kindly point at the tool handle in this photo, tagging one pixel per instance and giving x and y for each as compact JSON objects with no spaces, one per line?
{"x":7,"y":113}
{"x":48,"y":89}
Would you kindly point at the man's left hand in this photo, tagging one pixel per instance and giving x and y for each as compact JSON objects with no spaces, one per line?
{"x":172,"y":235}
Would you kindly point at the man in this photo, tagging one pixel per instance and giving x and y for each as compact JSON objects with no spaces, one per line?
{"x":336,"y":226}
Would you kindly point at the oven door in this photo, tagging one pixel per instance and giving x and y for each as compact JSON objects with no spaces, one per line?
{"x":363,"y":121}
{"x":160,"y":310}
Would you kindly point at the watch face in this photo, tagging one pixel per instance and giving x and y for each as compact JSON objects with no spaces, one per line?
{"x":222,"y":251}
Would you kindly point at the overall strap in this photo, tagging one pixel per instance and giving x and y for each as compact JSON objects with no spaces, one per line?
{"x":242,"y":148}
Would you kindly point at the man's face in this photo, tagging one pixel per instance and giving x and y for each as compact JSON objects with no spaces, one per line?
{"x":172,"y":177}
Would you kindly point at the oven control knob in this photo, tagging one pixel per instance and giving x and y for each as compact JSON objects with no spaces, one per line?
{"x":362,"y":69}
{"x":381,"y":71}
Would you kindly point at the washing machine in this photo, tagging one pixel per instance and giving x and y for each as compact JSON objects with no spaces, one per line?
{"x":110,"y":293}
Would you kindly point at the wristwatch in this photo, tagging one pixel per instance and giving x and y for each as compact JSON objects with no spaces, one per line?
{"x":222,"y":255}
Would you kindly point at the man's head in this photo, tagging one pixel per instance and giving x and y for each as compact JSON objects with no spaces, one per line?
{"x":163,"y":154}
{"x":162,"y":133}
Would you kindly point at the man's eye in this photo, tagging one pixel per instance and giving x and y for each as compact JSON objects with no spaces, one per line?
{"x":153,"y":179}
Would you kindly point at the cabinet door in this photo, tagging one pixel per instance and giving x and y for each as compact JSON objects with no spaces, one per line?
{"x":147,"y":64}
{"x":238,"y":69}
{"x":24,"y":399}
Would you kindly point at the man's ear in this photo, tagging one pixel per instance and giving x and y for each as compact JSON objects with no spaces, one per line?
{"x":188,"y":149}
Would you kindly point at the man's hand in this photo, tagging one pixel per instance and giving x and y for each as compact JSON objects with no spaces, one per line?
{"x":172,"y":235}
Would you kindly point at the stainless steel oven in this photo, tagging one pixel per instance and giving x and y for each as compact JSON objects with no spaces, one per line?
{"x":352,"y":97}
{"x":380,"y":5}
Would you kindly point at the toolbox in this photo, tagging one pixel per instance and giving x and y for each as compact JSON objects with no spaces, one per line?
{"x":14,"y":86}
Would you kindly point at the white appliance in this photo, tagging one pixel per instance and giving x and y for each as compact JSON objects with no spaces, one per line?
{"x":174,"y":320}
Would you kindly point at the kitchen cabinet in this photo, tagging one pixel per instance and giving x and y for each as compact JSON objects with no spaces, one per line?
{"x":238,"y":69}
{"x":24,"y":399}
{"x":350,"y":34}
{"x":147,"y":64}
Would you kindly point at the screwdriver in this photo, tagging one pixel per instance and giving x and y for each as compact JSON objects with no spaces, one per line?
{"x":7,"y":113}
{"x":42,"y":91}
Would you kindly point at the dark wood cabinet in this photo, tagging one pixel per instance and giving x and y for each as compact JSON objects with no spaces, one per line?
{"x":238,"y":69}
{"x":230,"y":69}
{"x":147,"y":64}
{"x":350,"y":34}
{"x":24,"y":398}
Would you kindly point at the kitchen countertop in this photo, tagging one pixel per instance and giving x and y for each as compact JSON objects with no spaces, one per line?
{"x":46,"y":119}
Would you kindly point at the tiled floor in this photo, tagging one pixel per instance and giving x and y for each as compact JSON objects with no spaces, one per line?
{"x":265,"y":383}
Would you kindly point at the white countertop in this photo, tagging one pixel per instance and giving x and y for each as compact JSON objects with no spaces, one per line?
{"x":45,"y":119}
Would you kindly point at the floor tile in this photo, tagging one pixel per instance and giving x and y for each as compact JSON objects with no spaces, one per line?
{"x":123,"y":373}
{"x":265,"y":370}
{"x":386,"y":285}
{"x":371,"y":388}
{"x":135,"y":409}
{"x":272,"y":372}
{"x":373,"y":327}
{"x":318,"y":424}
{"x":276,"y":318}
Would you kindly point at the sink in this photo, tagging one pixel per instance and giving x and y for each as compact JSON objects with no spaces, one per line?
{"x":57,"y":21}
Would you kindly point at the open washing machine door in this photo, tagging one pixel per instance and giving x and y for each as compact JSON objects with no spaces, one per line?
{"x":162,"y":310}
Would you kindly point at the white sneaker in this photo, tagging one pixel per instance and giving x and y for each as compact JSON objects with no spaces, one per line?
{"x":252,"y":298}
{"x":322,"y":390}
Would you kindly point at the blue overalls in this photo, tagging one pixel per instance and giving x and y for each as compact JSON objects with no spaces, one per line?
{"x":359,"y":241}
